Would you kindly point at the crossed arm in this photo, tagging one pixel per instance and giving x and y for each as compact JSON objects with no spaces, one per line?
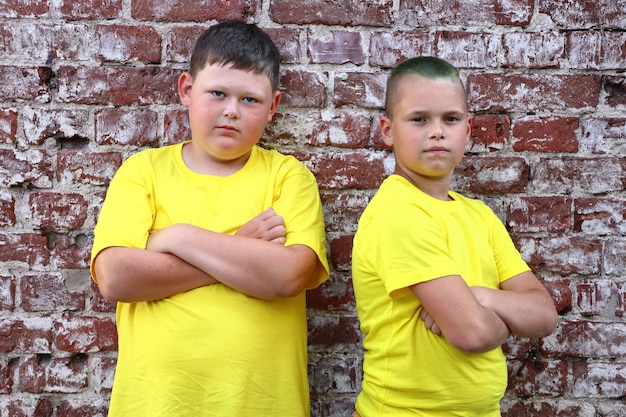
{"x":183,"y":257}
{"x":478,"y":319}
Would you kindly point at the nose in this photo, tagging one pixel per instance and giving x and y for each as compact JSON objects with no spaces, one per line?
{"x":436,"y":130}
{"x":231,"y":109}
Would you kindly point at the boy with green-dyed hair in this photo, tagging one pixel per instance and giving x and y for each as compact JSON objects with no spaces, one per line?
{"x":208,"y":247}
{"x":439,"y":284}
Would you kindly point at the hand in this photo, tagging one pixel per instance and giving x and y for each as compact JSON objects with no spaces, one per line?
{"x":429,"y":322}
{"x":267,"y":226}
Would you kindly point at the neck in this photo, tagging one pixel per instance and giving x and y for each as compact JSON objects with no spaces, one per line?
{"x":436,"y":188}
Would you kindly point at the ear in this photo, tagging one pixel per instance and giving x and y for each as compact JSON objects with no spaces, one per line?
{"x":184,"y":88}
{"x":470,"y":120}
{"x":385,"y":130}
{"x":274,"y":106}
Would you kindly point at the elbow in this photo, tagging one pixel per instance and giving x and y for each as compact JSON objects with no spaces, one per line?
{"x":474,"y":342}
{"x":549,"y":324}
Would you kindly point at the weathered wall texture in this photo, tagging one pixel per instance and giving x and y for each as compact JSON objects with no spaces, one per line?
{"x":85,"y":83}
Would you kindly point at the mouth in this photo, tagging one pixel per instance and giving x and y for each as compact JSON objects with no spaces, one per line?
{"x":227,"y":128}
{"x":437,"y":149}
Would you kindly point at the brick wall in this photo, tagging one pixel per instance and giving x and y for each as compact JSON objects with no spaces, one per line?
{"x":86,"y":83}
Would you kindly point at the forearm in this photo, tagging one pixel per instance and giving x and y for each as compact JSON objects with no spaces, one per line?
{"x":527,"y":313}
{"x":255,"y":267}
{"x":134,"y":275}
{"x":450,"y":309}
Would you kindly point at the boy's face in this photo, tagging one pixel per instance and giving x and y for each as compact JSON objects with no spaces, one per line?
{"x":228,"y":111}
{"x":428,"y":127}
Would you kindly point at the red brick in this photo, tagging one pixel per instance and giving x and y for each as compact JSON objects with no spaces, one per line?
{"x":342,"y":171}
{"x":334,"y":12}
{"x":568,"y":175}
{"x":128,"y":43}
{"x":44,"y":374}
{"x":176,"y":127}
{"x":561,"y":294}
{"x":587,"y":339}
{"x":342,"y":130}
{"x":89,"y":9}
{"x":600,"y":216}
{"x":603,"y":135}
{"x":74,"y":408}
{"x":491,"y":174}
{"x":459,"y":13}
{"x":179,"y":42}
{"x":8,"y":125}
{"x":6,"y":377}
{"x":48,"y":292}
{"x":102,"y":373}
{"x":303,"y":89}
{"x":360,"y":89}
{"x":540,"y":214}
{"x":85,"y":167}
{"x":545,"y":134}
{"x":533,"y":49}
{"x":85,"y":334}
{"x":45,"y":43}
{"x":28,"y":248}
{"x":596,"y":50}
{"x":614,"y":259}
{"x":118,"y":86}
{"x":540,"y":92}
{"x":599,"y":379}
{"x":341,"y":252}
{"x":7,"y":293}
{"x":535,"y":376}
{"x":545,"y":408}
{"x":581,"y":14}
{"x":596,"y":297}
{"x":98,"y":303}
{"x":335,"y":374}
{"x":31,"y":335}
{"x":11,"y":9}
{"x":287,"y":41}
{"x":7,"y":210}
{"x":195,"y":11}
{"x":490,"y":132}
{"x":517,"y":347}
{"x":135,"y":127}
{"x":58,"y":211}
{"x":564,"y":255}
{"x":342,"y":211}
{"x":31,"y":406}
{"x":41,"y":124}
{"x":27,"y":84}
{"x":468,"y":49}
{"x":338,"y":47}
{"x":615,"y":90}
{"x":336,"y":331}
{"x":387,"y":49}
{"x":69,"y":251}
{"x":335,"y":294}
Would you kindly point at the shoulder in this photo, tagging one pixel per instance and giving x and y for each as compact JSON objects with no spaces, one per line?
{"x":281,"y":164}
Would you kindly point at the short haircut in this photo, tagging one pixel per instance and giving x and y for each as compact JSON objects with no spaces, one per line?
{"x":242,"y":45}
{"x":424,"y":66}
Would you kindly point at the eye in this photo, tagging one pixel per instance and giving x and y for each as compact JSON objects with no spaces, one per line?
{"x":218,"y":94}
{"x":250,"y":99}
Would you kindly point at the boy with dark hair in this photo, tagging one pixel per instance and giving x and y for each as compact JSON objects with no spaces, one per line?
{"x":439,"y":284}
{"x":208,"y":247}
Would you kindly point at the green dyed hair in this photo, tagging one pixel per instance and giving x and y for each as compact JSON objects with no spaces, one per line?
{"x":424,"y":66}
{"x":242,"y":45}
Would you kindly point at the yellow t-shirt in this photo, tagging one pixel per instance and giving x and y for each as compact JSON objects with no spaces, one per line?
{"x":406,"y":237}
{"x":211,"y":351}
